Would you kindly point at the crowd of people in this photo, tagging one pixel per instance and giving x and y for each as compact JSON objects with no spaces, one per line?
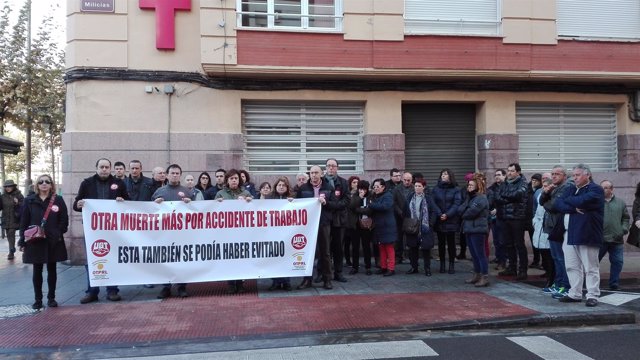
{"x":572,"y":223}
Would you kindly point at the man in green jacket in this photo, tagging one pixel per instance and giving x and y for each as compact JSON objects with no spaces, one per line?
{"x":616,"y":225}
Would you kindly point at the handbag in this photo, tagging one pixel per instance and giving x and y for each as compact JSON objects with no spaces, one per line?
{"x":36,"y":232}
{"x":366,"y":223}
{"x":410,"y":226}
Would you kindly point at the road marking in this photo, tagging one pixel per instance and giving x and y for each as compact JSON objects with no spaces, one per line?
{"x":618,"y":299}
{"x":548,"y":348}
{"x":10,"y":311}
{"x":358,"y":351}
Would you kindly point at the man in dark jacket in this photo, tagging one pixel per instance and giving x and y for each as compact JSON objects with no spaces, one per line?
{"x":11,"y":205}
{"x":616,"y":226}
{"x":316,"y":187}
{"x":400,"y":194}
{"x":102,"y":185}
{"x":339,"y":217}
{"x":138,"y":185}
{"x":496,"y":224}
{"x":583,"y":205}
{"x":511,"y":202}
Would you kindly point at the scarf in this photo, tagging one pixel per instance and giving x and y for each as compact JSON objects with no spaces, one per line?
{"x":331,"y":179}
{"x":419,"y":210}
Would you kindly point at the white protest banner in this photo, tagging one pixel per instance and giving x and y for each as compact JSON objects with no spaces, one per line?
{"x":173,"y":242}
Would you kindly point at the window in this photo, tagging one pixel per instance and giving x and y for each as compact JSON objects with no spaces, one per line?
{"x":288,"y":137}
{"x":567,"y":134}
{"x":290,"y":14}
{"x":460,"y":17}
{"x":599,"y":19}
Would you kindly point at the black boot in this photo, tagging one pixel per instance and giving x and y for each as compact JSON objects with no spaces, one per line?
{"x":442,"y":268}
{"x":451,"y":268}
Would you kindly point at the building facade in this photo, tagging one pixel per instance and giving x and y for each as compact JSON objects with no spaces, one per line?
{"x":274,"y":86}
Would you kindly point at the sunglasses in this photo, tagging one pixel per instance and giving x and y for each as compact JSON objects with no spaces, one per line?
{"x":44,"y":182}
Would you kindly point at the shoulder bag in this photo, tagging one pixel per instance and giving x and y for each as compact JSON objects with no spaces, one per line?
{"x":36,"y":232}
{"x":410,"y":226}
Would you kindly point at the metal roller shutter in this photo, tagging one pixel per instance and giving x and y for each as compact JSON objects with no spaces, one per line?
{"x":288,"y":137}
{"x":567,"y":134}
{"x":461,"y":17}
{"x":595,"y":19}
{"x":439,"y":136}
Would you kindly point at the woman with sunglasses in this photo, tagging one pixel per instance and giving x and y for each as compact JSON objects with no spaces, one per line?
{"x":50,"y":250}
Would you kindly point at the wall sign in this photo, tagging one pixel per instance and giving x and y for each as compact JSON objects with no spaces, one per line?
{"x":165,"y":20}
{"x":101,"y":6}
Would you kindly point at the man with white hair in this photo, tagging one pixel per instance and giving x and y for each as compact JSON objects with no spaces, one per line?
{"x":583,"y":206}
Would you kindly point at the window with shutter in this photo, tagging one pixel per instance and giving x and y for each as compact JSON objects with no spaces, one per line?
{"x":599,"y":19}
{"x":567,"y":134}
{"x":288,"y":137}
{"x":447,"y":17}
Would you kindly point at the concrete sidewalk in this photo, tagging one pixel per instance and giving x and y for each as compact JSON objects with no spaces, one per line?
{"x":364,"y":304}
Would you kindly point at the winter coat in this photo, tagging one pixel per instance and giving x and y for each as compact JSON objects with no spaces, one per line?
{"x":447,"y":199}
{"x":360,"y":208}
{"x":139,"y":190}
{"x":53,"y":248}
{"x":540,"y":239}
{"x":306,"y":191}
{"x":616,"y":220}
{"x":586,"y":228}
{"x":475,"y":214}
{"x":10,"y":210}
{"x":251,"y":189}
{"x":552,"y":217}
{"x":511,"y":199}
{"x":89,"y":190}
{"x":401,"y":194}
{"x":340,"y":203}
{"x":384,"y":220}
{"x":352,"y":216}
{"x":425,"y":237}
{"x":228,"y":194}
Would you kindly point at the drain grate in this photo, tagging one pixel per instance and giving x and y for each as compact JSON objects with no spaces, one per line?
{"x":11,"y":311}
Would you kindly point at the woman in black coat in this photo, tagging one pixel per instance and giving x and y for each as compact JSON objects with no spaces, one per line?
{"x":420,"y":206}
{"x":51,"y":249}
{"x":447,"y":198}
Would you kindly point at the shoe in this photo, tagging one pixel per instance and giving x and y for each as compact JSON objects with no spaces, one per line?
{"x":568,"y":299}
{"x":52,"y":303}
{"x":614,"y":287}
{"x":318,"y":279}
{"x":500,"y":266}
{"x":494,"y":261}
{"x":550,"y":289}
{"x":353,"y":271}
{"x":484,"y":281}
{"x":11,"y":257}
{"x":522,"y":276}
{"x":305,"y":284}
{"x":381,"y":272}
{"x":592,"y":302}
{"x":461,"y":257}
{"x":451,"y":269}
{"x":114,"y":297}
{"x":183,"y":293}
{"x":507,"y":272}
{"x":89,"y":298}
{"x":473,"y":279}
{"x":37,"y":305}
{"x":413,"y":271}
{"x":368,"y":272}
{"x":164,"y":293}
{"x":286,"y":287}
{"x":390,"y":273}
{"x":534,"y":266}
{"x":327,"y":285}
{"x":240,"y":288}
{"x":427,"y":271}
{"x":559,"y":293}
{"x":442,"y":268}
{"x":340,"y":278}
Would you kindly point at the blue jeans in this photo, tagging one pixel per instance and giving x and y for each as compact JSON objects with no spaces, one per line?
{"x":95,"y":290}
{"x":561,"y":279}
{"x":476,"y":248}
{"x":498,"y":243}
{"x":615,"y":258}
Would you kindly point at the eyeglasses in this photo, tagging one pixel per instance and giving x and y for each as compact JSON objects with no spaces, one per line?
{"x":332,"y":166}
{"x":44,"y":182}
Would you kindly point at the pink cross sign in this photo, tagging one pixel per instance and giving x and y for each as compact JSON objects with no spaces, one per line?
{"x":165,"y":20}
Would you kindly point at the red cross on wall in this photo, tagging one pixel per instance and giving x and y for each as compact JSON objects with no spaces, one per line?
{"x":165,"y":20}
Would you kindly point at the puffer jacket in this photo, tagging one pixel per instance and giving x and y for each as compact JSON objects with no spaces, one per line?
{"x":447,"y":199}
{"x":511,"y":199}
{"x":475,"y":214}
{"x":384,"y":219}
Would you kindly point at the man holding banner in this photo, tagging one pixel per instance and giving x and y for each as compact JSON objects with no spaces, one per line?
{"x":105,"y":186}
{"x":173,"y":191}
{"x":316,"y":187}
